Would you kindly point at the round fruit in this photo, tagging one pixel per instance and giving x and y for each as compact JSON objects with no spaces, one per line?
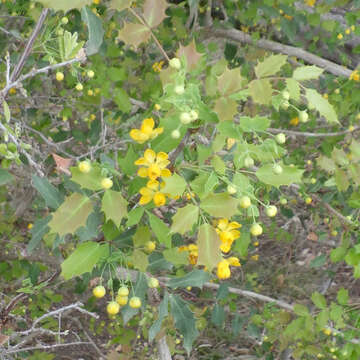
{"x":64,"y":20}
{"x":84,"y":167}
{"x":194,"y":115}
{"x":313,"y":180}
{"x":123,"y":291}
{"x":112,"y":308}
{"x":157,"y":107}
{"x":99,"y":291}
{"x":59,"y":76}
{"x":79,"y":87}
{"x":280,"y":138}
{"x":256,"y":229}
{"x":285,"y":105}
{"x":90,"y":74}
{"x":249,"y":162}
{"x":285,"y":95}
{"x":153,"y":283}
{"x":179,"y":89}
{"x":175,"y":134}
{"x":150,"y":246}
{"x":90,"y":92}
{"x":185,"y":118}
{"x":271,"y":211}
{"x":283,"y":201}
{"x":308,"y":200}
{"x":106,"y":183}
{"x":303,"y":116}
{"x":245,"y":202}
{"x":175,"y":63}
{"x":122,"y":300}
{"x":231,"y":189}
{"x":135,"y":302}
{"x":277,"y":169}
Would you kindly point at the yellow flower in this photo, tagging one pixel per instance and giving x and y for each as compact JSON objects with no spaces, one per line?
{"x":30,"y":226}
{"x":227,"y":233}
{"x":223,"y":268}
{"x":310,"y":2}
{"x":152,"y":192}
{"x":288,"y":17}
{"x":355,"y":75}
{"x":193,"y":252}
{"x":340,"y":36}
{"x":154,"y":165}
{"x":146,"y":131}
{"x":255,"y":257}
{"x":230,"y":142}
{"x":157,"y":67}
{"x":294,"y":121}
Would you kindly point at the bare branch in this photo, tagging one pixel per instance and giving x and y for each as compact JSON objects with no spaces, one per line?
{"x":308,"y":134}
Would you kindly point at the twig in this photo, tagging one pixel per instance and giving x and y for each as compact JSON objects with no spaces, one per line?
{"x":208,"y":18}
{"x":308,"y":134}
{"x":240,"y":36}
{"x":174,"y":154}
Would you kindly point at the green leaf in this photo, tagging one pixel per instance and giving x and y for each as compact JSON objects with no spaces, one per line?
{"x":184,"y":321}
{"x":326,"y":164}
{"x":7,"y":113}
{"x":261,"y":91}
{"x":270,"y":66}
{"x":154,"y":12}
{"x":218,"y":315}
{"x":338,"y":254}
{"x":71,"y":215}
{"x":208,"y":243}
{"x":218,"y":164}
{"x":122,"y":100}
{"x":341,"y":180}
{"x":258,"y":123}
{"x":126,"y":163}
{"x":160,"y":229}
{"x":194,"y":278}
{"x":294,"y":89}
{"x":5,"y":177}
{"x":290,"y":175}
{"x":301,"y":310}
{"x":307,"y":73}
{"x":220,"y":205}
{"x":142,"y":236}
{"x":225,"y":108}
{"x":96,"y":31}
{"x":343,"y":296}
{"x":90,"y":180}
{"x":242,"y":244}
{"x":49,"y":192}
{"x":319,"y":300}
{"x":65,"y":5}
{"x":176,"y":257}
{"x":37,"y":232}
{"x":204,"y":183}
{"x":120,"y":4}
{"x":83,"y":259}
{"x":140,"y":260}
{"x":134,"y":34}
{"x":114,"y":206}
{"x":317,"y":102}
{"x":175,"y":185}
{"x":163,"y":313}
{"x":229,"y":82}
{"x":134,"y":216}
{"x":184,"y":219}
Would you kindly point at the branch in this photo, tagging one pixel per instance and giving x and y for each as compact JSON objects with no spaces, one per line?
{"x":240,"y":36}
{"x":44,"y":347}
{"x":308,"y":134}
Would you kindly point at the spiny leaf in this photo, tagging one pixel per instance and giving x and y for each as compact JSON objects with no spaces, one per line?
{"x":191,"y":55}
{"x":90,"y":180}
{"x":175,"y":185}
{"x":184,"y":219}
{"x":290,"y":175}
{"x":154,"y":12}
{"x":317,"y":102}
{"x":307,"y":72}
{"x":49,"y":192}
{"x":96,"y":31}
{"x":65,"y":5}
{"x":160,"y":229}
{"x":270,"y":66}
{"x":230,"y":81}
{"x":134,"y":34}
{"x":114,"y":206}
{"x":220,"y":205}
{"x":120,"y":4}
{"x":194,"y":278}
{"x":261,"y":91}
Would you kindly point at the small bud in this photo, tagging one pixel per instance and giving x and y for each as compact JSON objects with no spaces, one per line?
{"x":175,"y":63}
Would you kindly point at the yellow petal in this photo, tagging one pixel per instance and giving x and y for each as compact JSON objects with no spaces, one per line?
{"x":138,"y":136}
{"x":150,"y":156}
{"x":153,"y":185}
{"x":145,"y":200}
{"x":192,"y":247}
{"x":222,"y":224}
{"x":225,"y":247}
{"x":165,"y":173}
{"x":159,"y":199}
{"x":162,"y":155}
{"x":143,"y":172}
{"x":157,"y":132}
{"x":154,"y":172}
{"x":140,"y":161}
{"x":233,"y":261}
{"x":223,"y":270}
{"x":147,"y":126}
{"x":225,"y":236}
{"x":235,"y":234}
{"x":234,"y":225}
{"x":146,"y":192}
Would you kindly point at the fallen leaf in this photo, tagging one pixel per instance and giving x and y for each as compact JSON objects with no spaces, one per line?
{"x":62,"y":164}
{"x":312,"y":237}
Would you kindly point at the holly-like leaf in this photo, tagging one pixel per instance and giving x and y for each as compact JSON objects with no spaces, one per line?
{"x":65,"y":5}
{"x":307,"y":72}
{"x":184,"y":219}
{"x":319,"y":300}
{"x":140,"y":260}
{"x":90,"y":180}
{"x":191,"y":55}
{"x":114,"y":206}
{"x":154,"y":12}
{"x":230,"y":81}
{"x":163,"y":312}
{"x":83,"y":259}
{"x":120,"y":5}
{"x":270,"y":66}
{"x":142,"y":236}
{"x":208,"y":243}
{"x":134,"y":34}
{"x":290,"y":175}
{"x":176,"y":257}
{"x":37,"y":232}
{"x":5,"y":177}
{"x":160,"y":229}
{"x":51,"y":195}
{"x":261,"y":91}
{"x":175,"y":185}
{"x":294,"y":89}
{"x":194,"y":278}
{"x":71,"y":215}
{"x":96,"y":31}
{"x":326,"y":163}
{"x":220,"y":205}
{"x":256,"y":124}
{"x":134,"y":216}
{"x":225,"y":108}
{"x":320,"y":104}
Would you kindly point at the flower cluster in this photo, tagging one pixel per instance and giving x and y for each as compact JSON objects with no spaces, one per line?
{"x":146,"y":131}
{"x":227,"y":233}
{"x":152,"y":192}
{"x":157,"y":66}
{"x":355,"y":75}
{"x":223,"y":268}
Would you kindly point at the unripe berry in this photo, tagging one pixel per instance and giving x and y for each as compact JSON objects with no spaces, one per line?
{"x":245,"y":202}
{"x":179,"y":89}
{"x":277,"y":169}
{"x":303,"y":116}
{"x":285,"y":104}
{"x":99,"y":291}
{"x":123,"y":291}
{"x":150,"y":246}
{"x":271,"y":211}
{"x":175,"y":134}
{"x":185,"y":118}
{"x":90,"y":74}
{"x":313,"y":180}
{"x":153,"y":283}
{"x":175,"y":63}
{"x":194,"y":115}
{"x":59,"y":76}
{"x":308,"y":200}
{"x":106,"y":183}
{"x":231,"y":189}
{"x":285,"y":95}
{"x":280,"y":138}
{"x":256,"y":229}
{"x":112,"y":308}
{"x":79,"y":87}
{"x":84,"y":167}
{"x":135,"y":302}
{"x":122,"y":300}
{"x":64,"y":20}
{"x":248,"y":162}
{"x":157,"y":107}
